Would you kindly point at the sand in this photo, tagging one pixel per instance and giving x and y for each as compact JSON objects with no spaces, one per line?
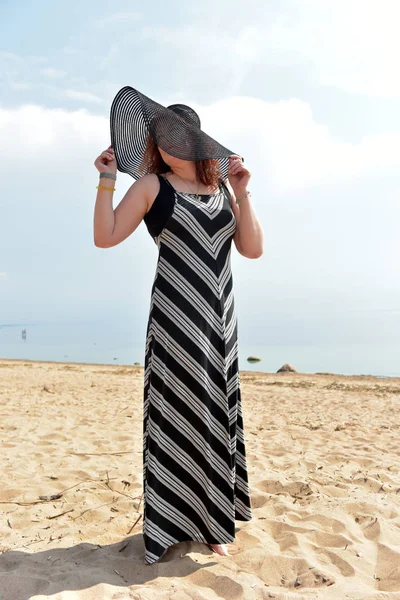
{"x":324,"y":459}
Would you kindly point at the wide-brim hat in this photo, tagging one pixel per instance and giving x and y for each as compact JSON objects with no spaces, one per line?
{"x":175,"y":128}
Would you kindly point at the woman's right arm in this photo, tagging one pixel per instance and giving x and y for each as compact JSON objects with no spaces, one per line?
{"x":111,"y":227}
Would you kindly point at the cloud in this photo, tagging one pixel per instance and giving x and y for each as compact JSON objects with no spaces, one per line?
{"x":53,"y":73}
{"x":10,"y":57}
{"x":281,"y":140}
{"x":202,"y":45}
{"x":12,"y":60}
{"x":82,"y":96}
{"x":70,"y":51}
{"x":20,"y":85}
{"x":113,"y":51}
{"x":351,"y":44}
{"x":37,"y":59}
{"x":3,"y":276}
{"x":117,"y":18}
{"x":325,"y":248}
{"x":34,"y":134}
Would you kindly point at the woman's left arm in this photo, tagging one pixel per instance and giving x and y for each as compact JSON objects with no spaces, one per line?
{"x":249,"y":236}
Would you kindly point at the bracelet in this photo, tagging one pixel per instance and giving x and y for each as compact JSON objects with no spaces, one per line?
{"x":239,"y":200}
{"x":108,"y":175}
{"x":101,"y":187}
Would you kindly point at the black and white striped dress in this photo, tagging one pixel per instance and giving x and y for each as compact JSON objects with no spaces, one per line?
{"x":195,"y":480}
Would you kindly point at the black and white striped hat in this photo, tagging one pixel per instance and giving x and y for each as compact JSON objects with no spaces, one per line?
{"x":175,"y":128}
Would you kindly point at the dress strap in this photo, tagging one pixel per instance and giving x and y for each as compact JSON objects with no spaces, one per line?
{"x":161,"y":209}
{"x":162,"y":177}
{"x":223,"y":185}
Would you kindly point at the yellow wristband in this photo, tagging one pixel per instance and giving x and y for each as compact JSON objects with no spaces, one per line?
{"x":102,"y":187}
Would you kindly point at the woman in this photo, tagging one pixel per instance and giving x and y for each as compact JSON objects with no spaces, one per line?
{"x":195,"y":478}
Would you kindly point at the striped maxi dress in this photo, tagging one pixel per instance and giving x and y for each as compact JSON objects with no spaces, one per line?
{"x":195,"y":480}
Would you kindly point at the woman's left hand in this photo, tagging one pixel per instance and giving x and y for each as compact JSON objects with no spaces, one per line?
{"x":238,"y":175}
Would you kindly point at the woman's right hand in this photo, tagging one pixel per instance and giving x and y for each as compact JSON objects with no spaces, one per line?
{"x":105,"y":162}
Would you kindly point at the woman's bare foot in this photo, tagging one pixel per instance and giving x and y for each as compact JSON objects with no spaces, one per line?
{"x":219,"y":549}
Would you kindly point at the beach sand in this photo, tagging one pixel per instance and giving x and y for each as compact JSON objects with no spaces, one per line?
{"x":324,"y":460}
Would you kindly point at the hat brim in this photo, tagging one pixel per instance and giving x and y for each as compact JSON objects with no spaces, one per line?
{"x":134,"y":116}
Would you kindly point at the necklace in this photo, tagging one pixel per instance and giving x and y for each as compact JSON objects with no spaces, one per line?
{"x":197,"y":195}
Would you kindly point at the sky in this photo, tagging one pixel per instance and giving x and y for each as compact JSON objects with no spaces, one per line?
{"x":307,"y":91}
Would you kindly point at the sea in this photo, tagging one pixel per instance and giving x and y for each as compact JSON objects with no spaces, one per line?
{"x":116,"y":343}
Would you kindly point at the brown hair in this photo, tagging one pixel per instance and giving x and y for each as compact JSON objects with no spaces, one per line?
{"x":207,"y":171}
